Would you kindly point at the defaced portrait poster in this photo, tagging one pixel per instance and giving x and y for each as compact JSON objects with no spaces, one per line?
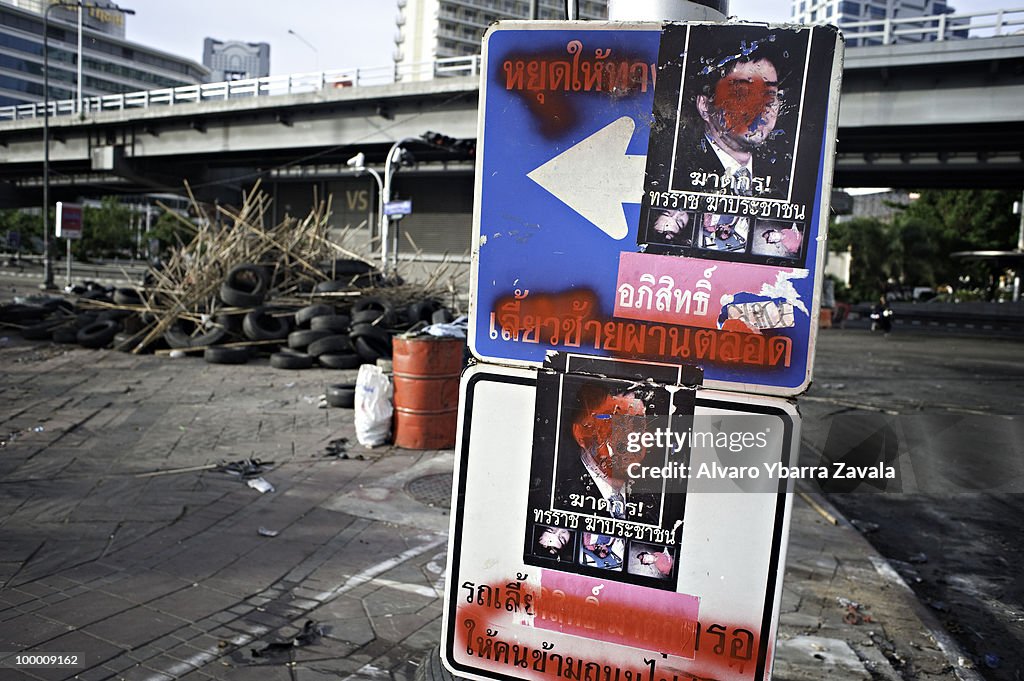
{"x":594,"y":507}
{"x":733,"y":161}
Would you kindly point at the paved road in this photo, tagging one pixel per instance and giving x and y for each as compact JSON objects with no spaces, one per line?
{"x":954,"y":405}
{"x":153,"y":574}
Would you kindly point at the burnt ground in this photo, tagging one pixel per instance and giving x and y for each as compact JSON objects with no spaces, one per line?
{"x":954,"y":528}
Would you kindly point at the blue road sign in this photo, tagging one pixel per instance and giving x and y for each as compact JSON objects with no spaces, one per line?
{"x":655,"y":192}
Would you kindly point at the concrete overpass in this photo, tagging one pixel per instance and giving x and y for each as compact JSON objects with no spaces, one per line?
{"x":929,"y":114}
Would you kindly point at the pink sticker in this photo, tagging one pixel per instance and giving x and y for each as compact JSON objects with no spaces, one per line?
{"x":688,"y":291}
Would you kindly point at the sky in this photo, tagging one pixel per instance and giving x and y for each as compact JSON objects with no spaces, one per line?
{"x":329,"y":34}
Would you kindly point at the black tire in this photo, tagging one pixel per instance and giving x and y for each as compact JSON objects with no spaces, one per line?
{"x":232,"y":323}
{"x":222,"y":355}
{"x":245,"y":286}
{"x":98,"y":294}
{"x":18,"y":313}
{"x":333,"y":360}
{"x":371,"y":303}
{"x":370,"y":350}
{"x":98,"y":334}
{"x":299,"y":340}
{"x":332,"y":286}
{"x":84,"y":319}
{"x":290,"y":360}
{"x":337,"y":269}
{"x":370,"y":331}
{"x":127,"y":296}
{"x":42,"y":330}
{"x":260,"y":324}
{"x":342,"y":395}
{"x":126,"y":342}
{"x":422,"y":310}
{"x":62,"y":305}
{"x":431,"y":669}
{"x":115,"y":314}
{"x":331,"y":322}
{"x":442,"y":316}
{"x":376,"y":317}
{"x":304,"y":316}
{"x":65,"y":334}
{"x":180,"y":339}
{"x":330,"y":344}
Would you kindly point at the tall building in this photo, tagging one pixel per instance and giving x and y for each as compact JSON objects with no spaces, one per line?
{"x":234,"y":60}
{"x":435,"y":29}
{"x":842,"y":13}
{"x":110,"y":64}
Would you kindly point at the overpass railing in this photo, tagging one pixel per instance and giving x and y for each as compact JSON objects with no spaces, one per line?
{"x":887,"y":31}
{"x":873,"y":32}
{"x":270,"y":86}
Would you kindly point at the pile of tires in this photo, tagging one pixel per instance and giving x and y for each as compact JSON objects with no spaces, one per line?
{"x":244,"y":321}
{"x":68,"y":323}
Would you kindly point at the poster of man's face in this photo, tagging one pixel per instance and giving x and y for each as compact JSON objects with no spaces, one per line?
{"x":588,"y":472}
{"x":738,"y":113}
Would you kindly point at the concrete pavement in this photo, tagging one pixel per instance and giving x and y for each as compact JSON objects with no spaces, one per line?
{"x":121,"y":545}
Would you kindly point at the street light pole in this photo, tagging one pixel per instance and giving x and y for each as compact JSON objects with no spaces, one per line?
{"x":391,"y":163}
{"x":316,"y":52}
{"x":358,"y":164}
{"x":47,"y":254}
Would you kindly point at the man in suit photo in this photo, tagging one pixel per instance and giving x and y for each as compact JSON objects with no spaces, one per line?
{"x":730,"y":137}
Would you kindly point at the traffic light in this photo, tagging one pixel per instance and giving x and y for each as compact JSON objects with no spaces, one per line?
{"x":436,"y":139}
{"x":462,"y":147}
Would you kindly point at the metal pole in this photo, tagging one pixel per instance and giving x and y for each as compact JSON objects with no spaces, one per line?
{"x":47,"y":255}
{"x":67,"y":278}
{"x":572,"y":10}
{"x":1020,"y":233}
{"x":316,"y":52}
{"x":534,"y":9}
{"x":386,"y":196}
{"x":668,"y":10}
{"x":78,"y":99}
{"x":380,"y":195}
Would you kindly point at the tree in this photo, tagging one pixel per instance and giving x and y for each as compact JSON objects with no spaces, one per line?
{"x":172,"y":229}
{"x":962,"y":220}
{"x":27,"y":225}
{"x":877,"y":253}
{"x":106,"y":231}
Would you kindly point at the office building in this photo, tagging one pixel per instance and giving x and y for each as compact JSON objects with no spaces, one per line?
{"x":235,"y":60}
{"x":435,"y":29}
{"x":110,"y":64}
{"x":843,"y":13}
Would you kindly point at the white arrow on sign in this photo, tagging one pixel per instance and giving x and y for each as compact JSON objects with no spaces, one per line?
{"x":596,"y":176}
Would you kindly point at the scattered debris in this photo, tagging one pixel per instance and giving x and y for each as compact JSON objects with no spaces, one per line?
{"x":260,"y":485}
{"x":864,"y":526}
{"x":337,"y":448}
{"x":918,"y":558}
{"x":264,"y":532}
{"x":854,"y":612}
{"x":311,"y":634}
{"x":245,"y":468}
{"x":938,"y":605}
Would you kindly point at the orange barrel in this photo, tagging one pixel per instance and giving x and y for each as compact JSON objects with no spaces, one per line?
{"x":425,"y":372}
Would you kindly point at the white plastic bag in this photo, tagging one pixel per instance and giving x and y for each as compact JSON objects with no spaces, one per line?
{"x":373,"y":406}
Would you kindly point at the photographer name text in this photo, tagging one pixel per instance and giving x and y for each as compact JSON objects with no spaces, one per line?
{"x":716,"y":471}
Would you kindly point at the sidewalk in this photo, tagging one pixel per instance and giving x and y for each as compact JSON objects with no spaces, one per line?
{"x":118,"y":546}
